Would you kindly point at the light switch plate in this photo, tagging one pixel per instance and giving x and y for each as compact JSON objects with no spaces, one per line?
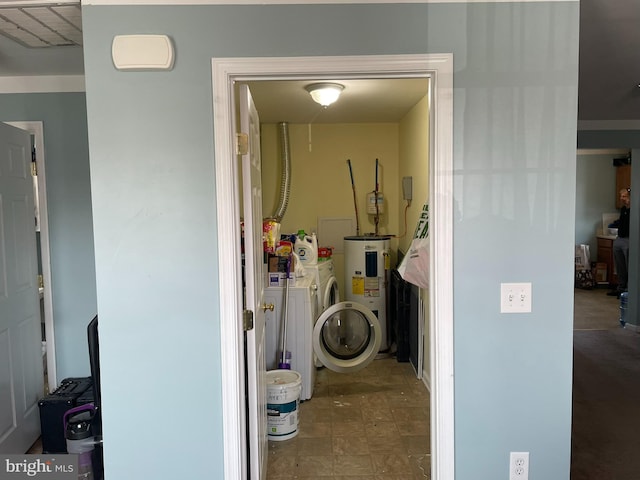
{"x":515,"y":298}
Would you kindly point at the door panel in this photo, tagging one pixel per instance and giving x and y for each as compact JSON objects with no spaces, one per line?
{"x":254,"y":261}
{"x":21,"y":372}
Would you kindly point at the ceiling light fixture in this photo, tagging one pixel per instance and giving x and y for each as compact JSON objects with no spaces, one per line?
{"x":324,"y":93}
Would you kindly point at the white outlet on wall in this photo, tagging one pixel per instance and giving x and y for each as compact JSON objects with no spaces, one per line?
{"x":519,"y":466}
{"x":515,"y":298}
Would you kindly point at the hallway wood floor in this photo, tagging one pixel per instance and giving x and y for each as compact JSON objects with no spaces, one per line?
{"x":606,"y":391}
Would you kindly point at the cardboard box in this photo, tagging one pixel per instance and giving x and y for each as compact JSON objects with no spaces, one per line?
{"x":600,"y":273}
{"x":279,"y":264}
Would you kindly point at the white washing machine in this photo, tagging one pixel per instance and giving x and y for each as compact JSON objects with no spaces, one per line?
{"x":346,"y":337}
{"x":302,"y":313}
{"x":324,"y":275}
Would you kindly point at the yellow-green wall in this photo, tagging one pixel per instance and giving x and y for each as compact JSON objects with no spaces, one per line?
{"x":414,"y":162}
{"x":321,"y":185}
{"x":320,"y":181}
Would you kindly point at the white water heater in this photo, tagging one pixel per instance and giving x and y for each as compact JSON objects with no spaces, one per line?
{"x":366,"y":260}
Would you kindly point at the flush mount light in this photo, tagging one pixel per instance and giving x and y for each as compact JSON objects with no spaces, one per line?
{"x":324,"y":93}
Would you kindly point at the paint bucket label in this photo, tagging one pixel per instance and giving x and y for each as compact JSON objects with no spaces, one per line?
{"x":282,"y":420}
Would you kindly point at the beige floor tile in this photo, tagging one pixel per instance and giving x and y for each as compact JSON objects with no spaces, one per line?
{"x":315,"y":446}
{"x":353,"y":465}
{"x":420,"y":427}
{"x":381,"y":427}
{"x":391,"y":464}
{"x":347,"y":401}
{"x":410,"y":414}
{"x":317,"y":401}
{"x":416,"y":444}
{"x":421,"y":465}
{"x":388,"y":443}
{"x":350,"y":429}
{"x":378,"y":399}
{"x":320,"y":465}
{"x":350,"y":446}
{"x":376,"y":413}
{"x":346,"y":414}
{"x":285,"y":447}
{"x":388,"y":380}
{"x":394,"y":477}
{"x":314,"y":414}
{"x":280,"y":466}
{"x":405,"y":398}
{"x":319,"y":429}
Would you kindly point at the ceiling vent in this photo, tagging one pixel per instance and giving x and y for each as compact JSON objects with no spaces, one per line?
{"x":46,"y":24}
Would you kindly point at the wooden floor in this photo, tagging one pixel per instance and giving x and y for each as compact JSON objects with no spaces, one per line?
{"x":606,"y":391}
{"x":594,"y":310}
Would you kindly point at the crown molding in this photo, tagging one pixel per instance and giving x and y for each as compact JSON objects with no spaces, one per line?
{"x":298,"y":2}
{"x":42,"y":84}
{"x":608,"y":125}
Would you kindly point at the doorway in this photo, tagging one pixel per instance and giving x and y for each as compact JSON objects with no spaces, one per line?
{"x":225,"y":73}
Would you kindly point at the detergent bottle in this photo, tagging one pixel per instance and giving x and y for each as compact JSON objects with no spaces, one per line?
{"x":307,"y":249}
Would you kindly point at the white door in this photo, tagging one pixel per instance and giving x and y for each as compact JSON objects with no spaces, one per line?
{"x":21,"y":372}
{"x":254,"y":270}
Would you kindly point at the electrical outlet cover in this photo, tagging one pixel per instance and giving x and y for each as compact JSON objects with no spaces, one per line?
{"x":519,"y":466}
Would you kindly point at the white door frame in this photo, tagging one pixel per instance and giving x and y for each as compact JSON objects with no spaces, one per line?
{"x":227,"y":71}
{"x":36,"y":129}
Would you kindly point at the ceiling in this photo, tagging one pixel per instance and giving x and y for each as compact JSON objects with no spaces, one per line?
{"x":40,"y":26}
{"x":609,"y":72}
{"x":361,"y":101}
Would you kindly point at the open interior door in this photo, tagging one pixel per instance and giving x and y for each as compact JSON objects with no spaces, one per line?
{"x":255,"y":280}
{"x":21,"y":369}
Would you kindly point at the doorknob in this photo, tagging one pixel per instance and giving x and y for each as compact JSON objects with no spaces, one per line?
{"x":268,"y":306}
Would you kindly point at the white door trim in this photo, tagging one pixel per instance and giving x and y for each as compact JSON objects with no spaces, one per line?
{"x":225,"y":72}
{"x":36,"y":129}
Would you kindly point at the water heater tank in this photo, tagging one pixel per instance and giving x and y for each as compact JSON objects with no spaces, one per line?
{"x":365,"y":259}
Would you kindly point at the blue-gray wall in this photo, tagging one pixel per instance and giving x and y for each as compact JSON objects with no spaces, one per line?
{"x":152,"y":166}
{"x":64,"y":120}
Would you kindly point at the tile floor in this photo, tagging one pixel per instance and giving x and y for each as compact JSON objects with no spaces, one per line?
{"x":373,"y":424}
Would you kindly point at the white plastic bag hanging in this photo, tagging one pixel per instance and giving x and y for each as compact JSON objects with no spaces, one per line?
{"x":414,"y":267}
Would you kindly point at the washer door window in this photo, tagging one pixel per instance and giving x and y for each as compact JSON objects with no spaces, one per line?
{"x":347,"y":337}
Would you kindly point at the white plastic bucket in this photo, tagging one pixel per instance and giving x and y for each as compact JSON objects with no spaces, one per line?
{"x":283,"y":402}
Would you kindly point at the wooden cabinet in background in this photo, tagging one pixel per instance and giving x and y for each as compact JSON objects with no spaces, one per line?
{"x":623,"y":180}
{"x":605,"y":255}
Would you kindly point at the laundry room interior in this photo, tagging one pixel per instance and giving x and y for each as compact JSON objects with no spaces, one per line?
{"x":322,"y":173}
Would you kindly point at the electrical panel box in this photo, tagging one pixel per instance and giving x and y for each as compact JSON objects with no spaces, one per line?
{"x":407,"y":188}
